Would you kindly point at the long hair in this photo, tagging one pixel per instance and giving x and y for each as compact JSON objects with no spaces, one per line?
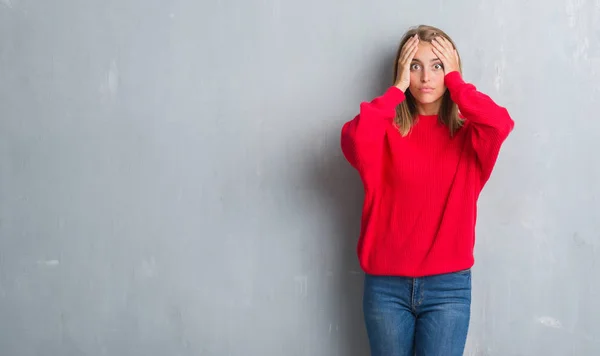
{"x":406,"y":112}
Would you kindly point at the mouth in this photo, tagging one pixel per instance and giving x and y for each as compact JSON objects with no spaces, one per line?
{"x":426,"y":90}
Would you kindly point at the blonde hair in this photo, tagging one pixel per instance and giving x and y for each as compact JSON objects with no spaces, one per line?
{"x":406,"y":112}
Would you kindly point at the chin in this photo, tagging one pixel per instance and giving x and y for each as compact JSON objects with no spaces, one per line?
{"x":427,"y":99}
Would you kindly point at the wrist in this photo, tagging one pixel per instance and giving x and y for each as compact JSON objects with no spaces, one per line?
{"x":402,"y":87}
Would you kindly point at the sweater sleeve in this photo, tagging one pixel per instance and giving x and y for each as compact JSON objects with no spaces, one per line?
{"x":362,"y":138}
{"x":490,"y":124}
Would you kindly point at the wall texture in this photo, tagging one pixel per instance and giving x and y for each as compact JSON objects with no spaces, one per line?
{"x":171,"y":181}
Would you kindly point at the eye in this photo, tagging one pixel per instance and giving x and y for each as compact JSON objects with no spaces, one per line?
{"x":414,"y":66}
{"x":438,"y":66}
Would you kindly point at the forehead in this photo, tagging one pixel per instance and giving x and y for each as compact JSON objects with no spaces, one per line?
{"x":425,"y":53}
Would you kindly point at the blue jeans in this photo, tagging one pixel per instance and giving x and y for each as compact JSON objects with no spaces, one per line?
{"x":425,"y":316}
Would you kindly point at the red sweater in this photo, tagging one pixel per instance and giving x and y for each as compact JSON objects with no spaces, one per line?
{"x":421,"y":191}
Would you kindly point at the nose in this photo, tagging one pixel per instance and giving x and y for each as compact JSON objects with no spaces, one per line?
{"x":425,"y":75}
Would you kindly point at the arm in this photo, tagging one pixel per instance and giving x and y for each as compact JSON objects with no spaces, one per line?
{"x":489,"y":124}
{"x":362,"y":138}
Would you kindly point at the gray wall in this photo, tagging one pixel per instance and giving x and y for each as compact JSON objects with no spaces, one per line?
{"x":171,"y":181}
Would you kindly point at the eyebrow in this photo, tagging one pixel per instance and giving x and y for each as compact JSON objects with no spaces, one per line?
{"x":433,"y":60}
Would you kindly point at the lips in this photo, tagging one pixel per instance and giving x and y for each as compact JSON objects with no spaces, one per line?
{"x":426,"y":90}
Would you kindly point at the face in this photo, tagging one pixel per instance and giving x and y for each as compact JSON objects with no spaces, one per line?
{"x":427,"y":76}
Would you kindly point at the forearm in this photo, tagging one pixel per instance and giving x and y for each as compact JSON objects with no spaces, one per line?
{"x":362,"y":137}
{"x":476,"y":106}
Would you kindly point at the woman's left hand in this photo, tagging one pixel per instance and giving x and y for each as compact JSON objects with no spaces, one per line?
{"x":446,"y":53}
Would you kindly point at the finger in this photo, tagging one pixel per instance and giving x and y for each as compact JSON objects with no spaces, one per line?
{"x":440,"y":55}
{"x":446,"y":54}
{"x":439,"y":52}
{"x":441,"y":44}
{"x":410,"y":42}
{"x":412,"y":54}
{"x":405,"y":48}
{"x":409,"y":51}
{"x":447,"y":45}
{"x":437,"y":43}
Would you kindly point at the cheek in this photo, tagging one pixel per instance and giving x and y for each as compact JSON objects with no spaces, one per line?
{"x":441,"y":88}
{"x":438,"y":79}
{"x":415,"y":78}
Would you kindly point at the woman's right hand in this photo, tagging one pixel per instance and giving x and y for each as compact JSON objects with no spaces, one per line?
{"x":406,"y":56}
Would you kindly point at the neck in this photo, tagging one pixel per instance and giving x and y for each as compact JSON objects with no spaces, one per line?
{"x":428,"y":109}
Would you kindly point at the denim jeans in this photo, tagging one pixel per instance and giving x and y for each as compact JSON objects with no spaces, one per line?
{"x":425,"y":316}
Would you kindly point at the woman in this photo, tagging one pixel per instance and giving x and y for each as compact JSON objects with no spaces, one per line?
{"x":424,"y":151}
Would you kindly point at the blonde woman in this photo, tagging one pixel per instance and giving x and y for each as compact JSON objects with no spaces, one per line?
{"x":424,"y":151}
